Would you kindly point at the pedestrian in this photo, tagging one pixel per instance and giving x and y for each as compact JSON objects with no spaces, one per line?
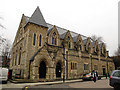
{"x":94,"y":77}
{"x":63,"y":78}
{"x":106,"y":75}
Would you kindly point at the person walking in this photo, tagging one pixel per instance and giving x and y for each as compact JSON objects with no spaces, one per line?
{"x":63,"y":78}
{"x":94,"y":77}
{"x":106,"y":75}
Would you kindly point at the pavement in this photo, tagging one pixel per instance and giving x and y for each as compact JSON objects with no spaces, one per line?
{"x":25,"y":85}
{"x":22,"y":85}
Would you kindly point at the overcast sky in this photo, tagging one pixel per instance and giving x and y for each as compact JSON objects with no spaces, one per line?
{"x":86,"y":17}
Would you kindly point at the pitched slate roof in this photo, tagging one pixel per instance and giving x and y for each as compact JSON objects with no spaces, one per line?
{"x":75,"y":38}
{"x":62,"y":36}
{"x":37,"y":18}
{"x":62,"y":32}
{"x":26,"y":19}
{"x":85,"y":41}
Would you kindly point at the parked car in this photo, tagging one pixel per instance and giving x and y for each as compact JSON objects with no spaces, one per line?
{"x":4,"y":74}
{"x":114,"y":79}
{"x":89,"y":76}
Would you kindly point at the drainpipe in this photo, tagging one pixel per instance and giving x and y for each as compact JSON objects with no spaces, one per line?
{"x":67,"y":65}
{"x":91,"y":62}
{"x":29,"y":69}
{"x":64,"y":68}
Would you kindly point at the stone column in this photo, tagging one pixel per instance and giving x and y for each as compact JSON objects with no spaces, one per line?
{"x":47,"y":73}
{"x":65,"y":58}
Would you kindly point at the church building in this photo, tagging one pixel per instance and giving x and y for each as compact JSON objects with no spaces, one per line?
{"x":42,"y":51}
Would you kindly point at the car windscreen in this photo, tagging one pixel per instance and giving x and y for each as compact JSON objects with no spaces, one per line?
{"x":116,"y":74}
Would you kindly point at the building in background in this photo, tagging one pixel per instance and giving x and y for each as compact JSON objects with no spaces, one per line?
{"x":42,"y":51}
{"x":4,"y":61}
{"x":119,"y":23}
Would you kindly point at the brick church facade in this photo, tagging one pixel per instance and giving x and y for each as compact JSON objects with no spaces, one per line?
{"x":42,"y":51}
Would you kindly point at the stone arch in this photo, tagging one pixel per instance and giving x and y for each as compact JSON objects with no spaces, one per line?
{"x":42,"y":69}
{"x":61,"y":62}
{"x":103,"y":49}
{"x":69,"y":40}
{"x":79,"y":42}
{"x":89,"y":46}
{"x":54,"y":36}
{"x":59,"y":69}
{"x":43,"y":59}
{"x":97,"y":47}
{"x":36,"y":64}
{"x":68,"y":34}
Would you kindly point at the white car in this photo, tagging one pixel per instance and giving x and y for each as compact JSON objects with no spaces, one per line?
{"x":4,"y":74}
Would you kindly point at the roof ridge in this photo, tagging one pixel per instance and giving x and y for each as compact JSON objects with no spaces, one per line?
{"x":58,"y":26}
{"x":27,"y":16}
{"x":69,"y":30}
{"x":37,"y":18}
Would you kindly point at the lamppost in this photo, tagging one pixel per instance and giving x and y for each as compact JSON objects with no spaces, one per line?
{"x":91,"y":62}
{"x":64,"y":68}
{"x":66,"y":64}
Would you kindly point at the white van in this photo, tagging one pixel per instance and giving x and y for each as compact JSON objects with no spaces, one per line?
{"x":4,"y":74}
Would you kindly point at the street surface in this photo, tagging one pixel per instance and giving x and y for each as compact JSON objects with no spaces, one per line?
{"x":104,"y":83}
{"x":86,"y":84}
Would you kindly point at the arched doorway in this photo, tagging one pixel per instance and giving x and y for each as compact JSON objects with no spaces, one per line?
{"x":58,"y":70}
{"x":104,"y":72}
{"x":42,"y":70}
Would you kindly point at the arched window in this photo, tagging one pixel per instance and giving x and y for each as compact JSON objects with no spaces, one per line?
{"x":80,"y":44}
{"x":89,"y":48}
{"x":34,"y":38}
{"x":97,"y":48}
{"x":13,"y":61}
{"x":104,"y":50}
{"x":54,"y":39}
{"x":19,"y":58}
{"x":71,"y":66}
{"x":68,"y":38}
{"x":40,"y":40}
{"x":69,"y":44}
{"x":16,"y":60}
{"x":54,"y":34}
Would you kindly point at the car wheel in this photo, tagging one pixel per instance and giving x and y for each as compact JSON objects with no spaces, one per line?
{"x":4,"y":82}
{"x":116,"y":87}
{"x":99,"y":78}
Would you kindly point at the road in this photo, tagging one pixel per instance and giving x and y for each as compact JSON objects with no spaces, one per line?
{"x":86,"y":84}
{"x":90,"y":84}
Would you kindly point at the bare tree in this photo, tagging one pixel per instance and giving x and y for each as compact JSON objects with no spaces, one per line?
{"x":99,"y":39}
{"x":1,"y":24}
{"x":116,"y":58}
{"x":117,"y":53}
{"x":6,"y":48}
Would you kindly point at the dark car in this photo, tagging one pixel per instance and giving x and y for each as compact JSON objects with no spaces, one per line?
{"x":89,"y":76}
{"x":114,"y":79}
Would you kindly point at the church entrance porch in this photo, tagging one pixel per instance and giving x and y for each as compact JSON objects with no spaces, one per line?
{"x":58,"y":70}
{"x":42,"y":70}
{"x":104,"y":72}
